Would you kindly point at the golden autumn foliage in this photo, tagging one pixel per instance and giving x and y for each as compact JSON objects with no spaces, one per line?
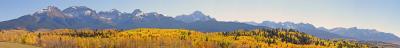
{"x":171,"y":38}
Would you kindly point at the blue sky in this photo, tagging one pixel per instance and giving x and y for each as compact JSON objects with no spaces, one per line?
{"x":382,"y":15}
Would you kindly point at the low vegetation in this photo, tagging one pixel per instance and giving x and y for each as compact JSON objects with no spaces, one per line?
{"x":170,"y":38}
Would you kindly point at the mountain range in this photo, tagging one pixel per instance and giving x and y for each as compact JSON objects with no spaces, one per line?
{"x":335,"y":33}
{"x":303,"y":27}
{"x":78,"y":17}
{"x":366,"y":34}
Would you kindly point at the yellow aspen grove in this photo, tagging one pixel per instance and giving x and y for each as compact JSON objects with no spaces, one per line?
{"x":171,"y":38}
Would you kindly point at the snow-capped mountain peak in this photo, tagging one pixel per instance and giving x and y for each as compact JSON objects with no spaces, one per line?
{"x":79,"y":11}
{"x":194,"y":17}
{"x":137,"y":12}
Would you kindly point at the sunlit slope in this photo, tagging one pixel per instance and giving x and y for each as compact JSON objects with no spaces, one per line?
{"x":240,"y":38}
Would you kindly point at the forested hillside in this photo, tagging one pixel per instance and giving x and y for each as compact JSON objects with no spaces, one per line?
{"x":334,"y":33}
{"x":171,"y":38}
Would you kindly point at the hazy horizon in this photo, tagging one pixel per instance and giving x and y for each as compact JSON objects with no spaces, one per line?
{"x":367,"y":14}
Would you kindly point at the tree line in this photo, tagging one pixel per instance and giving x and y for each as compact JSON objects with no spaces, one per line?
{"x":170,"y":38}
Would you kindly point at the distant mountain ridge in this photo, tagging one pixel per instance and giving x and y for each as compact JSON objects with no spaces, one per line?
{"x":302,"y":27}
{"x":77,"y":17}
{"x":366,"y":34}
{"x":346,"y":33}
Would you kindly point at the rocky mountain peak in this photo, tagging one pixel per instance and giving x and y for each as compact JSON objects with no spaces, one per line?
{"x":79,"y":11}
{"x":52,"y":8}
{"x":195,"y":16}
{"x":198,"y":13}
{"x":115,"y":11}
{"x":50,"y":11}
{"x":137,"y":12}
